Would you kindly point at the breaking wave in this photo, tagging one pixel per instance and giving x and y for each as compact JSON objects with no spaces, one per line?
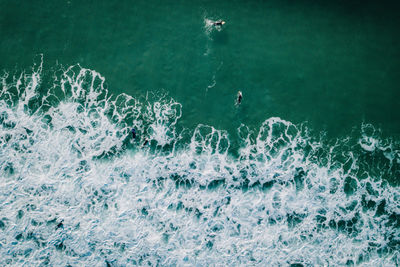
{"x":77,"y":190}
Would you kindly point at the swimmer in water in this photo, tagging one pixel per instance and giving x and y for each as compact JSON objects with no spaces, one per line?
{"x":218,"y":23}
{"x":145,"y":142}
{"x":239,"y":98}
{"x":133,"y":133}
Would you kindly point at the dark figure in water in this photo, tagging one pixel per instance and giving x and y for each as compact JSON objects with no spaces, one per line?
{"x":145,"y":142}
{"x":239,"y":98}
{"x":133,"y":133}
{"x":218,"y":23}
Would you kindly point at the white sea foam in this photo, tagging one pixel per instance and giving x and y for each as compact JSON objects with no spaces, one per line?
{"x":209,"y":26}
{"x":71,"y":194}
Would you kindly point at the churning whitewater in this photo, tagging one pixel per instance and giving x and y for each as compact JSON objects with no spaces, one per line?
{"x":77,"y":190}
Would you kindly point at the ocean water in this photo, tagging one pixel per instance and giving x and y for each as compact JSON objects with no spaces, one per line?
{"x":304,"y":172}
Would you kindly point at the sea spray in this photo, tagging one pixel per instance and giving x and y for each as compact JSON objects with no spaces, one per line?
{"x":76,"y":190}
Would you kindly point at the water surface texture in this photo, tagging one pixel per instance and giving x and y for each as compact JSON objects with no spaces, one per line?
{"x":304,"y":172}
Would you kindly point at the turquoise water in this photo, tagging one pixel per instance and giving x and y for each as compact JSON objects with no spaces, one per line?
{"x":304,"y":171}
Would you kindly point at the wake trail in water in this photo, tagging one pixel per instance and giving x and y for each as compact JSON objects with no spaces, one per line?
{"x":209,"y":28}
{"x":75,"y":189}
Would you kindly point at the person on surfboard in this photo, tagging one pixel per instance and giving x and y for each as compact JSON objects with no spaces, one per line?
{"x":239,"y":98}
{"x":145,"y":142}
{"x":133,"y":133}
{"x":219,"y":22}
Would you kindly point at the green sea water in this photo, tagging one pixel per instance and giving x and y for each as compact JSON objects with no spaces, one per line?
{"x":334,"y":64}
{"x":304,"y":172}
